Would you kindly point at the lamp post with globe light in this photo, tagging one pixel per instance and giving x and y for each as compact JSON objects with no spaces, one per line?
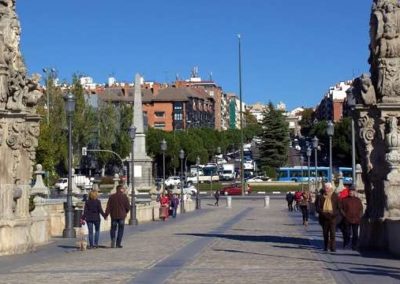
{"x":198,"y":205}
{"x":308,"y":165}
{"x":181,"y":157}
{"x":163,"y":146}
{"x":330,"y":131}
{"x":315,"y":146}
{"x":69,"y":231}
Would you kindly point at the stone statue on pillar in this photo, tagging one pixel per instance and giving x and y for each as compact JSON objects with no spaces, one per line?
{"x":377,"y":114}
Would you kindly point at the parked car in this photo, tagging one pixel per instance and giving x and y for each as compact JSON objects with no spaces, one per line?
{"x":173,"y":180}
{"x":61,"y":184}
{"x":234,"y":189}
{"x":189,"y":190}
{"x":258,"y":179}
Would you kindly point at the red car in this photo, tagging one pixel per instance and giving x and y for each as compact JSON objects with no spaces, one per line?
{"x":234,"y":189}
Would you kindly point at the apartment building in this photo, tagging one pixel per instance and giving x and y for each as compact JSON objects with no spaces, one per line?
{"x":331,"y":106}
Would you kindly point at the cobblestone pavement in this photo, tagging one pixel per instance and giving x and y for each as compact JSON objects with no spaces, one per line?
{"x":245,"y":244}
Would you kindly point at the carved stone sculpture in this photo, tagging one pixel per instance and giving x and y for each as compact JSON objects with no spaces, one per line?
{"x":19,"y":131}
{"x":377,"y":113}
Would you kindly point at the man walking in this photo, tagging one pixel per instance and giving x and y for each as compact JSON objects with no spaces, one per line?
{"x":216,"y":195}
{"x":328,"y":208}
{"x":118,"y":207}
{"x":352,"y":211}
{"x":289,"y":199}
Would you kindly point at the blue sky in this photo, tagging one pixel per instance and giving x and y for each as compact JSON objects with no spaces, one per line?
{"x":292,"y":50}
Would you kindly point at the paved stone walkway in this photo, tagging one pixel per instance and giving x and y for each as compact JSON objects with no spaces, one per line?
{"x":244,"y":244}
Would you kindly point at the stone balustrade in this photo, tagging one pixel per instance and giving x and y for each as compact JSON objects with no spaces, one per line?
{"x":144,"y":213}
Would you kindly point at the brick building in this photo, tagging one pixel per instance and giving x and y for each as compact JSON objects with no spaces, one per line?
{"x":167,"y":107}
{"x":331,"y":106}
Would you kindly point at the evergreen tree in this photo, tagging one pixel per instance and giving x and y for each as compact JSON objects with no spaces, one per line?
{"x":275,"y":139}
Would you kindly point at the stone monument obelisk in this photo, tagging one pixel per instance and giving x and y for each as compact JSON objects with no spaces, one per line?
{"x":143,"y":163}
{"x":377,"y":114}
{"x":19,"y":131}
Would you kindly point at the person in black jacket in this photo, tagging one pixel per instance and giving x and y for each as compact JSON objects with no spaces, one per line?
{"x":289,"y":199}
{"x":91,"y":214}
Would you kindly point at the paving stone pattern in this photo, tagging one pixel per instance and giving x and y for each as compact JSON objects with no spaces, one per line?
{"x":245,"y":244}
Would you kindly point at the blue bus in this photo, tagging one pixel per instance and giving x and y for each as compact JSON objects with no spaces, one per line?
{"x":300,"y":174}
{"x":347,"y":174}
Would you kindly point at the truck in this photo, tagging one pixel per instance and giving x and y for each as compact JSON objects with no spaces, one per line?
{"x":228,"y":172}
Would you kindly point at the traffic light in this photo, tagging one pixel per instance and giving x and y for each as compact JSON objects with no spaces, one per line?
{"x":84,"y":151}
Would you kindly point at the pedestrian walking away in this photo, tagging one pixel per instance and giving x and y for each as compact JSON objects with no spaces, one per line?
{"x":164,"y":208}
{"x":289,"y":199}
{"x":304,"y":204}
{"x":174,"y":205}
{"x":328,"y":208}
{"x":216,"y":195}
{"x":340,"y":220}
{"x":91,"y":215}
{"x":117,"y":207}
{"x":352,"y":210}
{"x":297,"y":198}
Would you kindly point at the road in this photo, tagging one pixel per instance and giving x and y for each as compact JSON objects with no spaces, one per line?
{"x":244,"y":244}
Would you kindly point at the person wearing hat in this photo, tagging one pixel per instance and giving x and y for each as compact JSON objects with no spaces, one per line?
{"x":352,"y":210}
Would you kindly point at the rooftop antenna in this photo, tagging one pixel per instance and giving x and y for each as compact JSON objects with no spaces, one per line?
{"x":211,"y":76}
{"x":195,"y":72}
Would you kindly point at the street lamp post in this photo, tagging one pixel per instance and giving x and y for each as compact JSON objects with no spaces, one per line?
{"x":241,"y":114}
{"x":133,"y":220}
{"x":330,"y":131}
{"x":302,"y":174}
{"x":163,"y":149}
{"x":69,"y":231}
{"x":308,"y":165}
{"x":181,"y":157}
{"x":315,"y":146}
{"x":351,"y":103}
{"x":198,"y":205}
{"x":212,"y":172}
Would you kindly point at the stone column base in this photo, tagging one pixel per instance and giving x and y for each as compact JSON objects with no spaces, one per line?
{"x":380,"y":234}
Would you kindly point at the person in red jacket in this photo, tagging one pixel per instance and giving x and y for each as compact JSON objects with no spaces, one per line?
{"x":164,"y":209}
{"x":352,"y":209}
{"x":118,"y":207}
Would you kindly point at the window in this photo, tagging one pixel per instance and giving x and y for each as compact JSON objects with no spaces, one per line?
{"x":159,"y":114}
{"x":178,"y":116}
{"x":159,"y":125}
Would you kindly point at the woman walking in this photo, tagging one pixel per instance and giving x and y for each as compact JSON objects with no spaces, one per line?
{"x":304,"y":203}
{"x":164,"y":209}
{"x":91,"y":214}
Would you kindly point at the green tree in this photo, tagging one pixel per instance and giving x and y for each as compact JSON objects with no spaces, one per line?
{"x":307,"y":121}
{"x":107,"y":132}
{"x":84,"y":121}
{"x":52,"y":143}
{"x":275,"y":137}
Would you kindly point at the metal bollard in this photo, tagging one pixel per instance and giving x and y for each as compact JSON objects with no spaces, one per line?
{"x":229,"y":202}
{"x":266,"y":202}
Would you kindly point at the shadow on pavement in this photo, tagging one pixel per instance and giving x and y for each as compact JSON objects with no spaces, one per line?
{"x":261,"y":238}
{"x":386,"y":272}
